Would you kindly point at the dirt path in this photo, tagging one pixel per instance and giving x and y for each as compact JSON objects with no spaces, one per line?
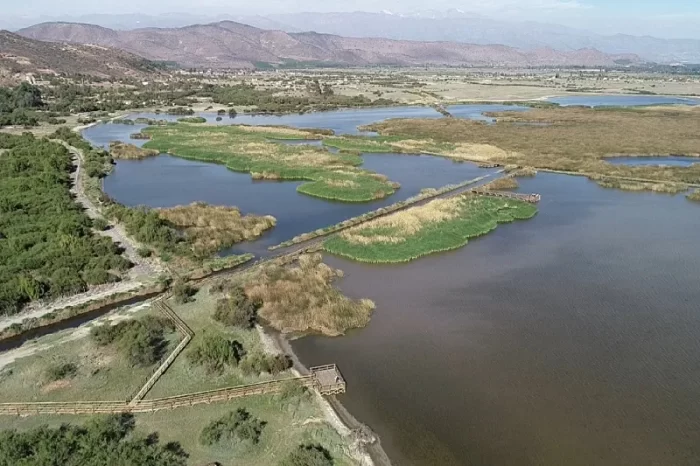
{"x":142,"y":267}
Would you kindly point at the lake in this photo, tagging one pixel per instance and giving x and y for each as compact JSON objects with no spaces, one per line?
{"x":167,"y":181}
{"x":622,"y":100}
{"x":671,"y":161}
{"x":569,"y":339}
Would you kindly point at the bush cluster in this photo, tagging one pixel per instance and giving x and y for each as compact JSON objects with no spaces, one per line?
{"x":215,"y":353}
{"x":103,"y":441}
{"x":141,"y":341}
{"x":47,"y":247}
{"x":237,"y":310}
{"x":236,"y":426}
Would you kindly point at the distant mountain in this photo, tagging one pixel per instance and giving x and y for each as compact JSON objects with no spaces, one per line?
{"x":431,"y":25}
{"x":457,"y":26}
{"x":21,"y":55}
{"x":228,"y":44}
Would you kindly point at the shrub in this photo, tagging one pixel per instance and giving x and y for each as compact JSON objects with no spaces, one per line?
{"x":141,"y":341}
{"x":237,"y":310}
{"x":61,"y":371}
{"x":144,"y":252}
{"x":308,"y":455}
{"x":236,"y":426}
{"x":259,"y":363}
{"x":182,"y":291}
{"x":100,"y":224}
{"x":215,"y":353}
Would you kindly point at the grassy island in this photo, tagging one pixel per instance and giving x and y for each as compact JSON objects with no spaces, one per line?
{"x":440,"y":225}
{"x":124,"y":151}
{"x":209,"y":229}
{"x":248,"y":149}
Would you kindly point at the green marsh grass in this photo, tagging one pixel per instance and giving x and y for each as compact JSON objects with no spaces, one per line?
{"x":441,"y":225}
{"x":248,"y":150}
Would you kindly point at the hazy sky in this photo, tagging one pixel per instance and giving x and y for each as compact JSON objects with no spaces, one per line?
{"x":666,"y":18}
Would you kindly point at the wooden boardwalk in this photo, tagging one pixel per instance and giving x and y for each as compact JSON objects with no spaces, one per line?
{"x":326,"y":379}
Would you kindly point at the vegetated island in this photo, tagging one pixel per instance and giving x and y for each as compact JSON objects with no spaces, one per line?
{"x":440,"y":225}
{"x":210,"y":229}
{"x":248,"y":149}
{"x":567,"y":139}
{"x":123,"y":151}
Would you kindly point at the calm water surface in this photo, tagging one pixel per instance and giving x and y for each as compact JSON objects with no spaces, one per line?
{"x":167,"y":181}
{"x":673,"y":161}
{"x":621,"y":100}
{"x":569,"y":339}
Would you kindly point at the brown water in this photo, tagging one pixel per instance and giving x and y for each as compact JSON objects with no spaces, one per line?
{"x":568,"y":339}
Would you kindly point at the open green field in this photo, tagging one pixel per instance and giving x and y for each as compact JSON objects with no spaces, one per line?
{"x":290,"y":422}
{"x":440,"y":225}
{"x":248,"y":149}
{"x":568,"y":139}
{"x":103,"y":373}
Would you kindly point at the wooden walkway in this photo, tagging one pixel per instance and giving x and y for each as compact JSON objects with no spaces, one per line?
{"x":326,"y":379}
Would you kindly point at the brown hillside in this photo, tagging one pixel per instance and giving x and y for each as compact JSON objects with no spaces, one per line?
{"x":230,"y":44}
{"x":20,"y":55}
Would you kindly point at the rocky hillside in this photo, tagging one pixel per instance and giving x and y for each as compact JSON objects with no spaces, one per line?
{"x":21,"y":55}
{"x":230,"y":44}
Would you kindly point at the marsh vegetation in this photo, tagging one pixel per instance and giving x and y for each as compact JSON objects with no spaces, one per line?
{"x":575,"y":139}
{"x":301,"y":298}
{"x":124,"y":151}
{"x":209,"y":229}
{"x":248,"y":149}
{"x":440,"y":225}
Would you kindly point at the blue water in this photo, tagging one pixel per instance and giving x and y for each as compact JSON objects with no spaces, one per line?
{"x":621,"y":100}
{"x":673,"y":161}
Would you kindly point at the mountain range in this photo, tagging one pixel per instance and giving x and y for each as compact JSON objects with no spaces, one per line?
{"x":228,"y":44}
{"x":19,"y":55}
{"x":451,"y":25}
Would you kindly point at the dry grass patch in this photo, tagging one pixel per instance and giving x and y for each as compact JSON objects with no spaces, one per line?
{"x":398,"y":227}
{"x":301,"y":298}
{"x":211,"y":228}
{"x":574,"y":139}
{"x":505,"y":182}
{"x":122,"y":150}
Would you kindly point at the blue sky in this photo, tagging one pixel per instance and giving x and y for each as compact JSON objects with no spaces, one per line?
{"x":663,"y":18}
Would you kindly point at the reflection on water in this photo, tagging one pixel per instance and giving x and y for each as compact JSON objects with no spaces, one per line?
{"x":621,"y":100}
{"x":673,"y":161}
{"x":572,"y":338}
{"x":167,"y":181}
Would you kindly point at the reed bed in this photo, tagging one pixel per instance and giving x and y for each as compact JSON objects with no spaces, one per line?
{"x":625,"y":185}
{"x":212,"y":228}
{"x":425,"y":194}
{"x":244,"y":149}
{"x":440,"y":225}
{"x":694,"y":196}
{"x":124,"y":151}
{"x":300,"y":298}
{"x":506,"y":182}
{"x":575,"y":139}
